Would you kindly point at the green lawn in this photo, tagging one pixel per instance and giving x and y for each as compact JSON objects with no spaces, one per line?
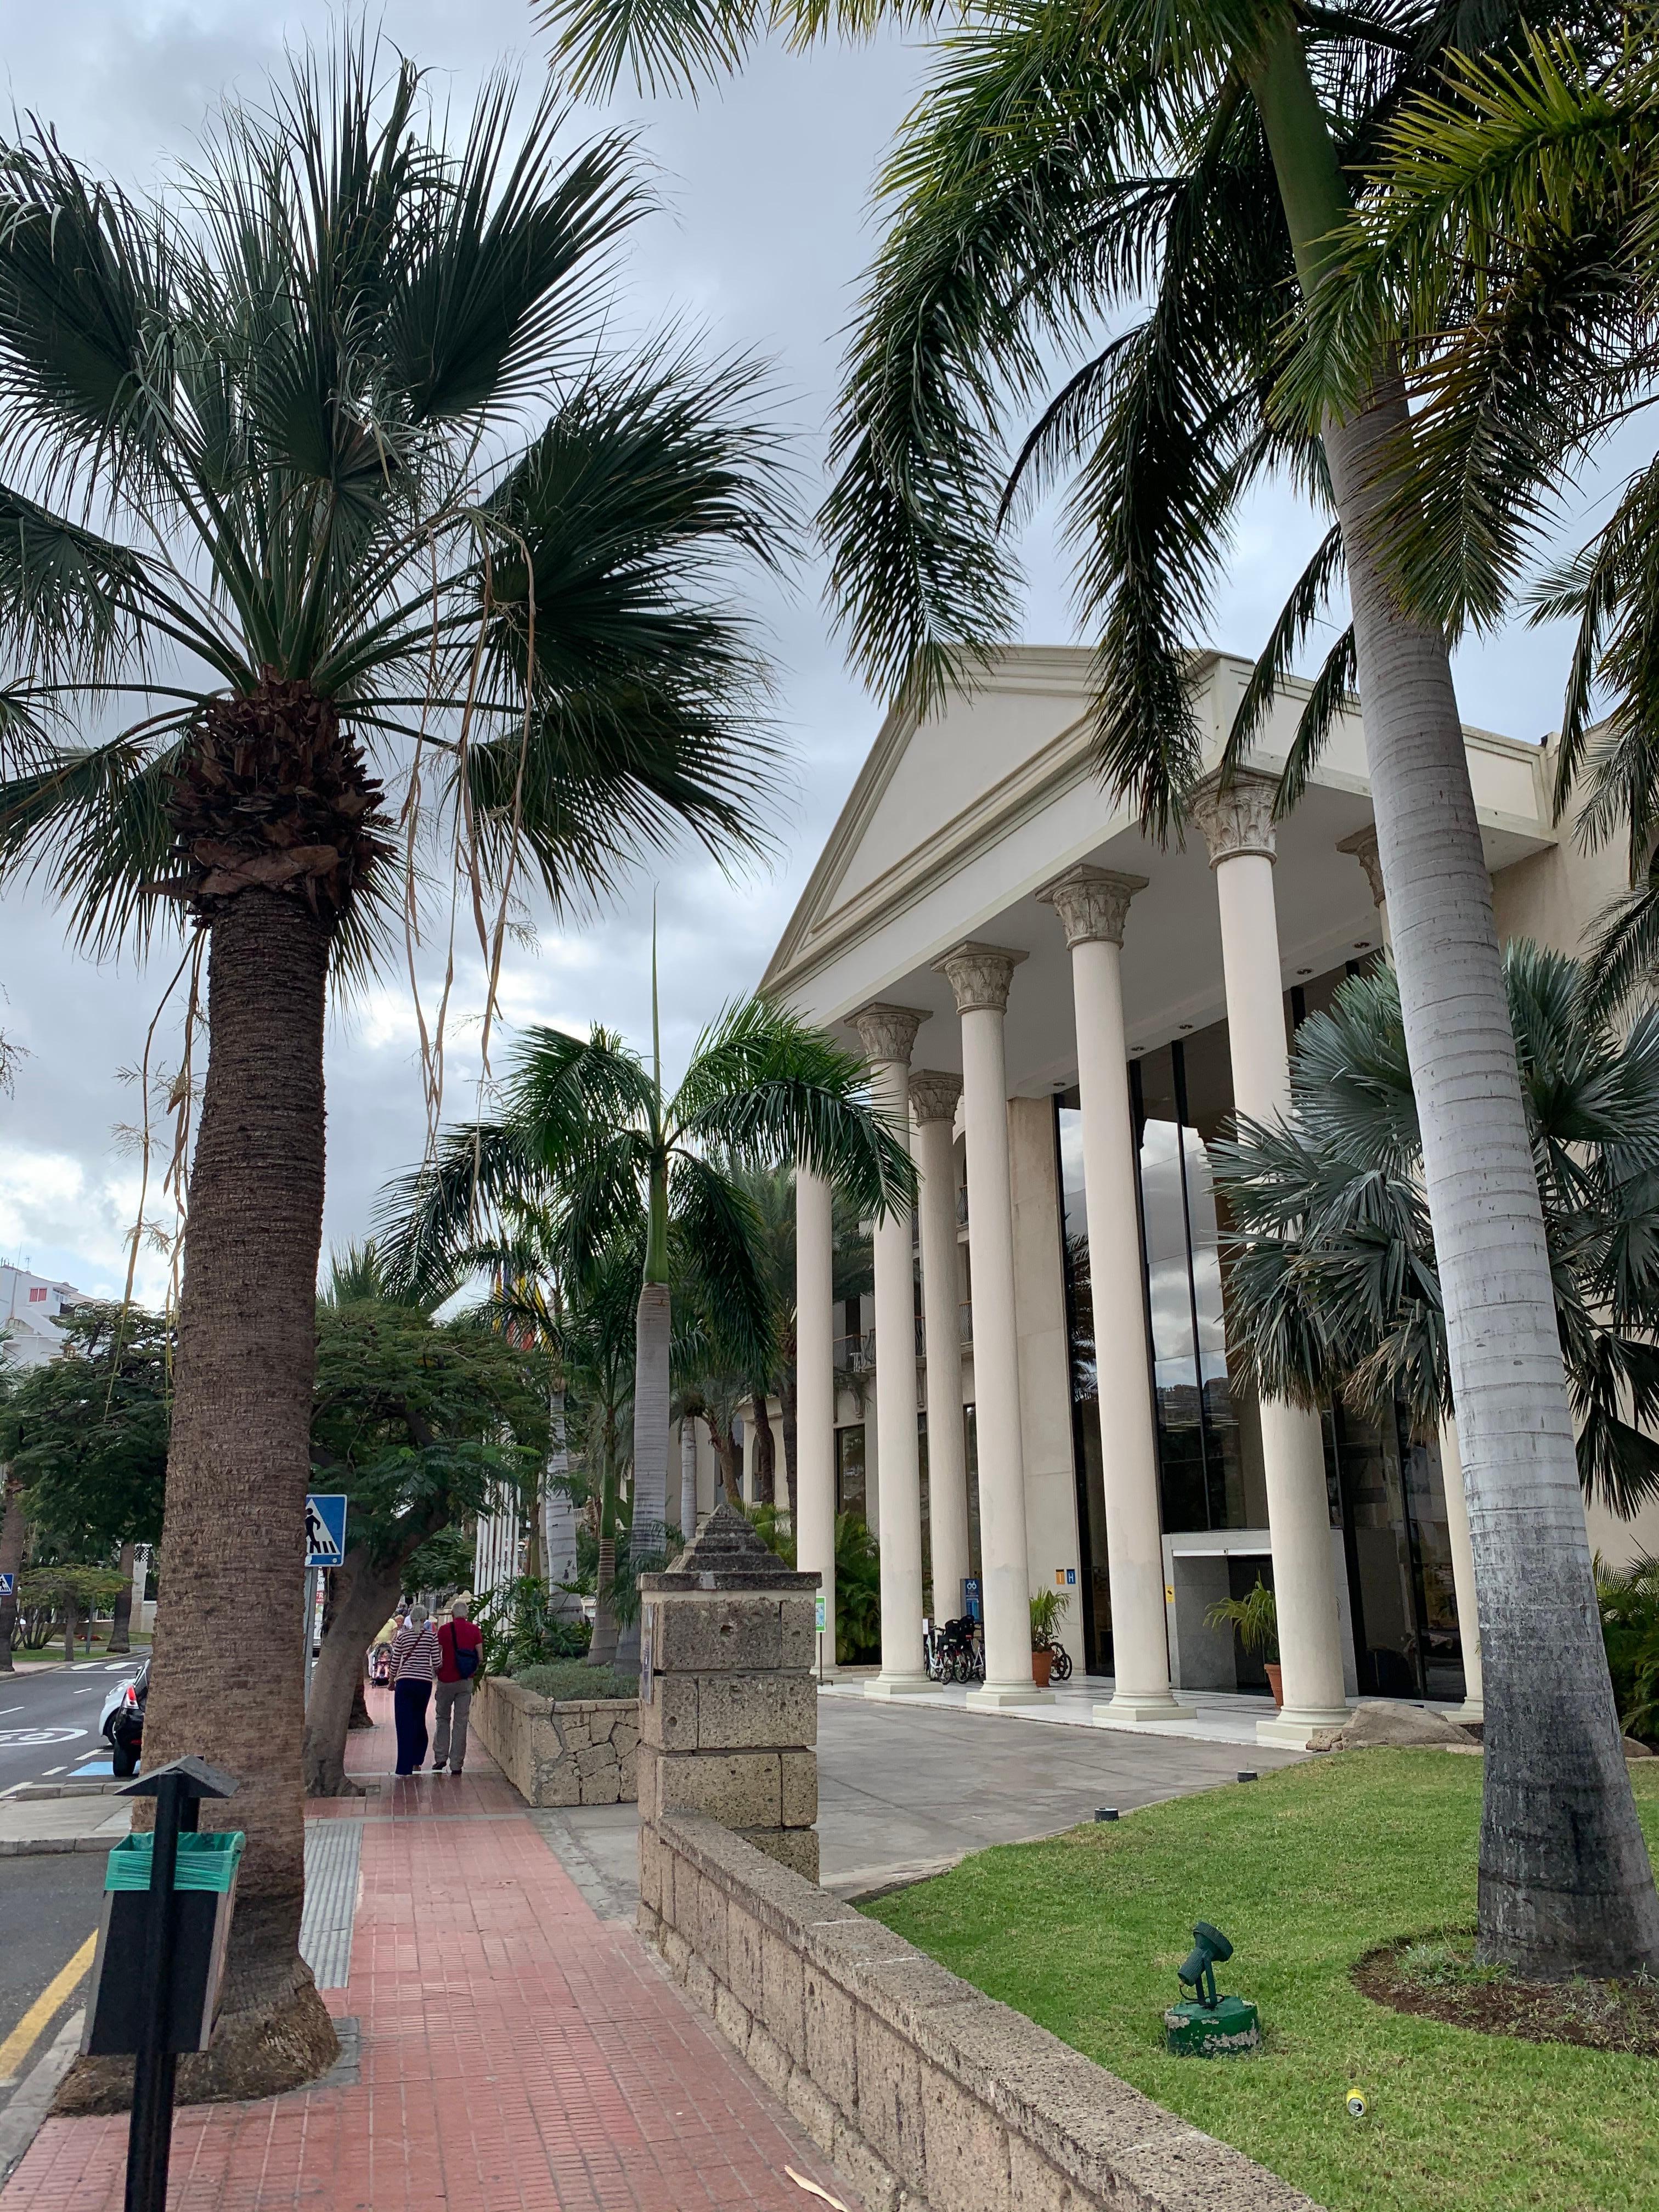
{"x":1304,"y":1871}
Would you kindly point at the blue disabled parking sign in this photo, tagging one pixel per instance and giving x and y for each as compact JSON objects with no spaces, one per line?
{"x":325,"y":1523}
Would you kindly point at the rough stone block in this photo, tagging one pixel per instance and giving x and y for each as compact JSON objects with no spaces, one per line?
{"x":830,"y":2025}
{"x":798,"y":1634}
{"x":647,"y":1924}
{"x":710,"y":1938}
{"x":966,"y":2147}
{"x":626,"y":1777}
{"x":600,"y":1722}
{"x":740,"y":1712}
{"x":676,"y":1951}
{"x":720,"y":1634}
{"x":699,"y":1984}
{"x":732,"y":2021}
{"x":651,"y":1858}
{"x":669,"y":1720}
{"x":557,"y":1782}
{"x":875,"y":2184}
{"x":782,"y":2004}
{"x":600,"y":1788}
{"x":738,"y":1788}
{"x":596,"y":1756}
{"x":811,"y":2109}
{"x":890,"y":2098}
{"x":798,"y":1773}
{"x":1034,"y":2185}
{"x":767,"y":2059}
{"x":574,"y":1732}
{"x":795,"y":1848}
{"x":625,"y":1735}
{"x":647,"y":1788}
{"x":744,"y":1950}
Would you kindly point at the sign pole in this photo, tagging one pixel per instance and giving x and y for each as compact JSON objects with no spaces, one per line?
{"x":149,"y":2136}
{"x":311,"y":1617}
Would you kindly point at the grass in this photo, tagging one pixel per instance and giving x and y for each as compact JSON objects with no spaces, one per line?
{"x":1305,"y":1871}
{"x":574,"y":1677}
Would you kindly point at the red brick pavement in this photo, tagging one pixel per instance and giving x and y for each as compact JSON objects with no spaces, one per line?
{"x":516,"y":2052}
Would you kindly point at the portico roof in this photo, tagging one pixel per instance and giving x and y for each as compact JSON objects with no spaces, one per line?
{"x":957,"y":822}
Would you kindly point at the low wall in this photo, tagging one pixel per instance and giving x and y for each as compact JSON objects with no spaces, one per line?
{"x":928,"y":2096}
{"x":571,"y":1750}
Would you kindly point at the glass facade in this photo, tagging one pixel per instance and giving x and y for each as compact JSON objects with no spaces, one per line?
{"x":1384,"y":1484}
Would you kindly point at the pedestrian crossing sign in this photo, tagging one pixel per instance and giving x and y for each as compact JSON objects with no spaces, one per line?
{"x":8,"y":1585}
{"x":325,"y":1523}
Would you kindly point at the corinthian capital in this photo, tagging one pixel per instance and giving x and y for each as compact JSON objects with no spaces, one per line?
{"x":887,"y":1032}
{"x":1363,"y":845}
{"x":933,"y":1096}
{"x":980,"y":976}
{"x":1239,"y":819}
{"x":1092,"y":903}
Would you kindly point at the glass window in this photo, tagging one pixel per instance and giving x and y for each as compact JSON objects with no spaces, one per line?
{"x":850,"y":1471}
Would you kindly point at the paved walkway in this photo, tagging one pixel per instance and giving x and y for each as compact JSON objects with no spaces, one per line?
{"x":514,"y":2050}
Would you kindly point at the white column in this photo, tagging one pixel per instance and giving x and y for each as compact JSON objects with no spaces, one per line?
{"x":934,"y":1099}
{"x":887,"y":1034}
{"x":1093,"y":905}
{"x":980,"y":976}
{"x":815,"y":1394}
{"x":1237,"y":824}
{"x":1363,"y":845}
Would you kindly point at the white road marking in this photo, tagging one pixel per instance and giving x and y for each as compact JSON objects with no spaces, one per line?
{"x":16,"y":1739}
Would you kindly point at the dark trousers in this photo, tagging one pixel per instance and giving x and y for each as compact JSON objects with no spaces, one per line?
{"x":409,"y":1703}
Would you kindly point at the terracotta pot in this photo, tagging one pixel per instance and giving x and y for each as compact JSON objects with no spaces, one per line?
{"x":1275,"y":1679}
{"x":1041,"y":1661}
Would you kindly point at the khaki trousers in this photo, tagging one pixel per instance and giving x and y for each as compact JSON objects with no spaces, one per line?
{"x":453,"y":1703}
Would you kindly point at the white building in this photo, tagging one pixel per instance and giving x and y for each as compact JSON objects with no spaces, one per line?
{"x":29,"y":1307}
{"x":1070,"y":1012}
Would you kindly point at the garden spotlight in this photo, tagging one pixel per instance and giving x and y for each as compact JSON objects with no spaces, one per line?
{"x":1205,"y":2025}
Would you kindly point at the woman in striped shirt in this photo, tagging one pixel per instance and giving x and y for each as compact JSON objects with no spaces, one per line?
{"x":415,"y":1660}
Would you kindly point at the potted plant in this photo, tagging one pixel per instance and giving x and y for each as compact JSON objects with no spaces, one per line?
{"x":1046,"y":1608}
{"x":1256,"y":1620}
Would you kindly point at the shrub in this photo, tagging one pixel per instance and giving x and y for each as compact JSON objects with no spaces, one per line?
{"x":574,"y":1677}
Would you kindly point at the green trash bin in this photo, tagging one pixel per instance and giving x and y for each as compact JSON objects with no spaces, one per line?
{"x":204,"y":1886}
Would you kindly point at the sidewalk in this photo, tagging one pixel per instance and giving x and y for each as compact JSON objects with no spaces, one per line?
{"x":513,"y":2049}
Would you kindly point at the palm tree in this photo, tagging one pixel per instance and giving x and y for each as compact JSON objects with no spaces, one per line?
{"x":1332,"y":1281}
{"x":1506,"y":249}
{"x":586,"y":1130}
{"x":315,"y":472}
{"x":1072,"y":154}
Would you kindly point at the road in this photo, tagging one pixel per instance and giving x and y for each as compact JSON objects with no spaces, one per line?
{"x":49,"y":1906}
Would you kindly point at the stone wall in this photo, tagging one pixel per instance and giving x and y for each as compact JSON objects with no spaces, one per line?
{"x":571,"y":1751}
{"x":929,"y":2096}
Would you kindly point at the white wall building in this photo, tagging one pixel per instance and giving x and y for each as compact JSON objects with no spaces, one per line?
{"x":1070,"y":1014}
{"x":29,"y":1307}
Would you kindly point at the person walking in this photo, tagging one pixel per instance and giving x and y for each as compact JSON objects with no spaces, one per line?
{"x":460,"y":1646}
{"x":415,"y":1656}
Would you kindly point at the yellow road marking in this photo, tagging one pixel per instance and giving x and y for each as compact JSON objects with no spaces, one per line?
{"x":40,"y":2015}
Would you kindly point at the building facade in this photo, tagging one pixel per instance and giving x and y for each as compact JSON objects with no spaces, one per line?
{"x":30,"y":1308}
{"x":1038,"y":1392}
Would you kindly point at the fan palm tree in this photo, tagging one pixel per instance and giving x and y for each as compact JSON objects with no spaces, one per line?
{"x":1073,"y":156}
{"x":318,"y":472}
{"x":1332,"y":1282}
{"x":586,"y":1129}
{"x":1506,"y":247}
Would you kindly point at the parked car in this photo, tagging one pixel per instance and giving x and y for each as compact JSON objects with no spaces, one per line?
{"x":123,"y":1721}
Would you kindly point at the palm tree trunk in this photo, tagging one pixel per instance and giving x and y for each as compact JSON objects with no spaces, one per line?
{"x":11,"y":1562}
{"x":788,"y":1404}
{"x":730,"y":1459}
{"x":364,"y":1593}
{"x":229,"y":1659}
{"x":766,"y":1452}
{"x":120,"y":1636}
{"x":602,"y":1649}
{"x":1565,"y":1883}
{"x":648,"y":1531}
{"x":69,"y":1625}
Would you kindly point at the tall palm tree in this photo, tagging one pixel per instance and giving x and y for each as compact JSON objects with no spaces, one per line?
{"x":327,"y":504}
{"x":1074,"y":154}
{"x":1333,"y":1285}
{"x":586,"y":1129}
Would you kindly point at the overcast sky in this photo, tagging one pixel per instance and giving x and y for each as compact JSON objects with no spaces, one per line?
{"x":767,"y":231}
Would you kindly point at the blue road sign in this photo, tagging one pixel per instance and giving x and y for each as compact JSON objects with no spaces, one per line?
{"x":8,"y":1585}
{"x":325,"y":1520}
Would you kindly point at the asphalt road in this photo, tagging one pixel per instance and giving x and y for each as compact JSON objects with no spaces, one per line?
{"x":49,"y":1718}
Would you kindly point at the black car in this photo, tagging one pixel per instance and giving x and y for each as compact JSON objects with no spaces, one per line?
{"x":124,"y":1722}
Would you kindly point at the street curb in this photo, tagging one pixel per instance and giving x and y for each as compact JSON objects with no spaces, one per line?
{"x":31,"y":2101}
{"x":27,"y":1847}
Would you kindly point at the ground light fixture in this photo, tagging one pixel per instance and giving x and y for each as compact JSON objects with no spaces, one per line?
{"x":1205,"y":2025}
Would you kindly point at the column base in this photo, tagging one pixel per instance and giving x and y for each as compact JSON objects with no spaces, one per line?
{"x":1144,"y":1709}
{"x":992,"y":1696}
{"x":1472,"y":1710}
{"x":899,"y":1686}
{"x":1295,"y":1726}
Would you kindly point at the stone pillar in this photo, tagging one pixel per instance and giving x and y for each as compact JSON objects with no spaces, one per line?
{"x":728,"y":1701}
{"x":934,"y":1099}
{"x":1363,"y":845}
{"x":1237,"y":824}
{"x":887,"y":1034}
{"x":815,"y":1392}
{"x":1093,"y":905}
{"x":980,"y":976}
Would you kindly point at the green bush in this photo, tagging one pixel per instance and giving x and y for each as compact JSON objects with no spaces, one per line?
{"x":1629,"y":1628}
{"x":521,"y":1628}
{"x":574,"y":1677}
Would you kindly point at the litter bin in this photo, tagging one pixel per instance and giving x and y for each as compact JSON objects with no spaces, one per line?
{"x":204,"y":1897}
